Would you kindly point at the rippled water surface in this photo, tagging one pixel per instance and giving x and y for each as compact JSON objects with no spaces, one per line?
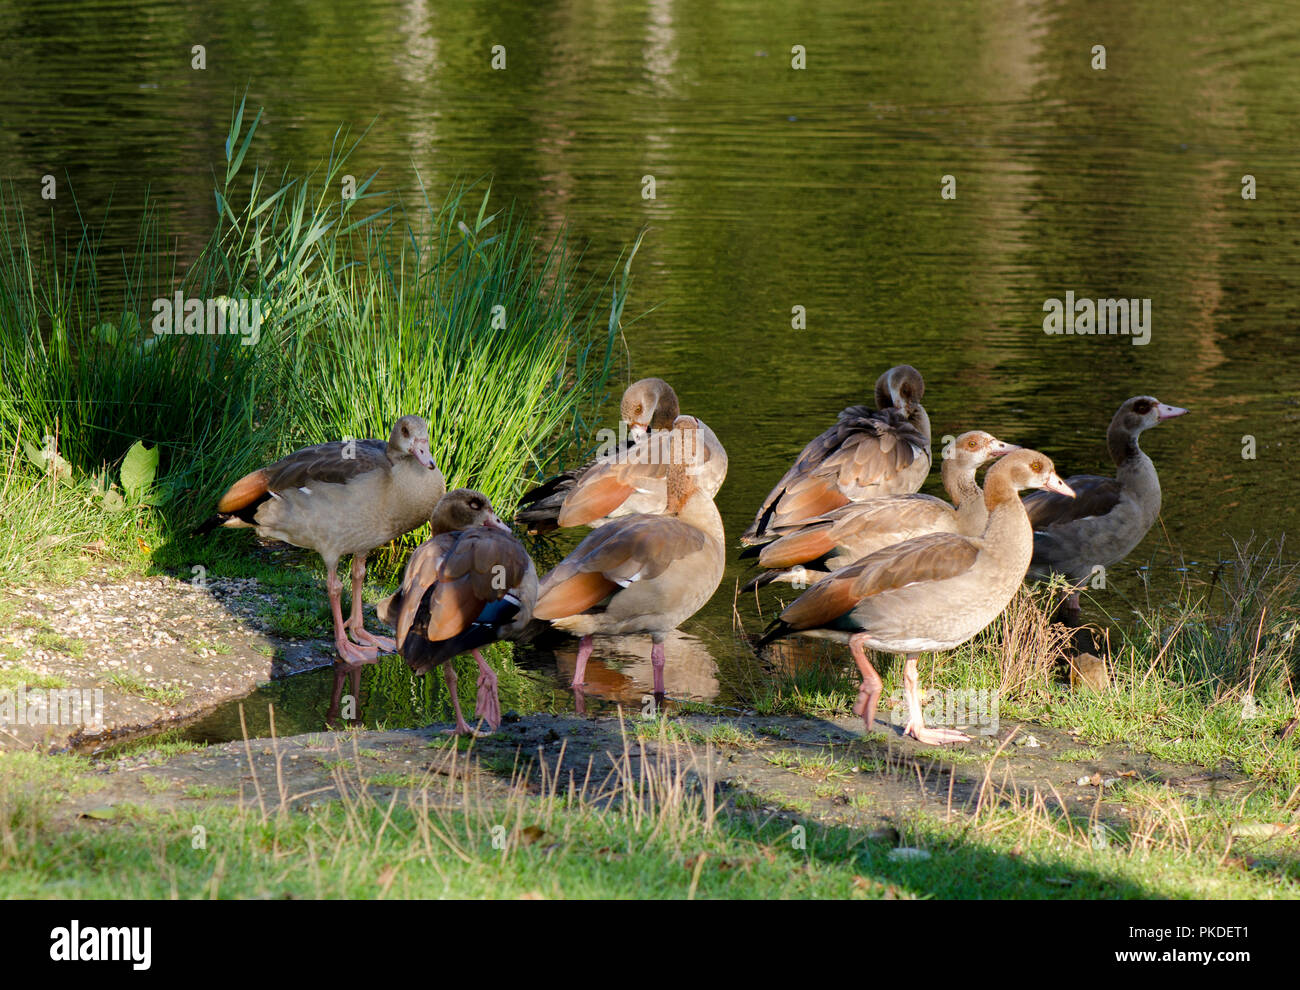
{"x":778,"y":188}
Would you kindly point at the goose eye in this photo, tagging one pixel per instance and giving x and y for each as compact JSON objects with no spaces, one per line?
{"x":1036,"y":467}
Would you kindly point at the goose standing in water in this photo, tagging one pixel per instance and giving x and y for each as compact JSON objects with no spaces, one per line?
{"x":1110,"y":516}
{"x":838,"y":538}
{"x":628,"y":480}
{"x":470,"y":584}
{"x":339,"y":498}
{"x":928,"y":594}
{"x":866,"y":454}
{"x":643,"y":573}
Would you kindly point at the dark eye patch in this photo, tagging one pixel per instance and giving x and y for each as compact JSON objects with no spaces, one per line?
{"x":1142,"y":407}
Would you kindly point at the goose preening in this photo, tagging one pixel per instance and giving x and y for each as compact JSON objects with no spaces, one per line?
{"x":866,"y":454}
{"x":632,"y":478}
{"x":470,"y":584}
{"x":1110,"y":516}
{"x":928,"y":594}
{"x":839,"y":537}
{"x":643,"y":573}
{"x":338,"y":498}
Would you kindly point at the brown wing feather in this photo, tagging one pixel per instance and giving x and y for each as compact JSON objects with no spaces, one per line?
{"x":637,"y":547}
{"x":823,"y":603}
{"x":422,"y":572}
{"x":571,"y":595}
{"x":933,"y":557}
{"x":863,"y":448}
{"x":798,"y":547}
{"x":598,"y":493}
{"x":1094,"y":496}
{"x":336,"y":462}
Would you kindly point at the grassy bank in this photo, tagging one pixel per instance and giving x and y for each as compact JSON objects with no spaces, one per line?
{"x":368,"y":309}
{"x":653,"y":821}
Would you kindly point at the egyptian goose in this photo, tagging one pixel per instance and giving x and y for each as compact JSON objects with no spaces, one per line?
{"x":627,"y":480}
{"x":470,"y":584}
{"x":1111,"y":516}
{"x":343,"y":497}
{"x":927,"y":594}
{"x":831,"y":541}
{"x":643,"y":573}
{"x":866,"y":454}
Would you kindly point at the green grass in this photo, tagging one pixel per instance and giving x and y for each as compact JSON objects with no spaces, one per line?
{"x":134,"y":684}
{"x":13,"y":677}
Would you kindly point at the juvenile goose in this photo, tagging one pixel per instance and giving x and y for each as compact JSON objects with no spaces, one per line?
{"x":833,"y":540}
{"x":866,"y":454}
{"x":642,"y":573}
{"x":344,"y":497}
{"x":628,"y":479}
{"x":1111,"y":516}
{"x":470,"y":584}
{"x":927,"y":594}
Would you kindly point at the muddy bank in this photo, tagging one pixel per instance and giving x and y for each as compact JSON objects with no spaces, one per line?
{"x":812,"y":769}
{"x":161,"y":650}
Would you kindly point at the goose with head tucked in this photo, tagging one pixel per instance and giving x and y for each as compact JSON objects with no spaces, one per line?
{"x":470,"y":584}
{"x":1110,"y":516}
{"x":927,"y":594}
{"x":866,"y":454}
{"x":629,"y":478}
{"x":340,"y":498}
{"x":643,"y":573}
{"x":809,"y":552}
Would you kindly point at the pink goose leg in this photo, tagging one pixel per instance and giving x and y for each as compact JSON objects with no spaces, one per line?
{"x":462,"y":727}
{"x":657,"y":661}
{"x":384,"y":644}
{"x":349,"y":651}
{"x":916,"y":727}
{"x":872,"y":685}
{"x":580,"y":669}
{"x":487,"y":705}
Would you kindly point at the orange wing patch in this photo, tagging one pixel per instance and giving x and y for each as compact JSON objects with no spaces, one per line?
{"x":245,"y":491}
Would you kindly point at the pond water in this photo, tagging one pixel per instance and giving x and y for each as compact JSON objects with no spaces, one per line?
{"x":776,"y":188}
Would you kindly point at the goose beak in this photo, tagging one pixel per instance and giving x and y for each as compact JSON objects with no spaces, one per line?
{"x":1055,"y":484}
{"x":1164,"y":412}
{"x":420,"y":451}
{"x":999,"y":447}
{"x":493,"y":521}
{"x":636,"y":432}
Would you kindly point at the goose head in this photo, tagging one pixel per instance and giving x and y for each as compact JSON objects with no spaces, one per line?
{"x":976,"y":448}
{"x":901,"y":388}
{"x":1019,"y":470}
{"x":410,"y":438}
{"x":463,"y":509}
{"x":1133,"y":417}
{"x":649,"y":404}
{"x":1143,"y":412}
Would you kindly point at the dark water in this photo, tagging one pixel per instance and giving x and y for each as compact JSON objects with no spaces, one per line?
{"x":778,"y":188}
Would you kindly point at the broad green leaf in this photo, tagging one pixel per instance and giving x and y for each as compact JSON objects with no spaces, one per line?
{"x":139,"y":468}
